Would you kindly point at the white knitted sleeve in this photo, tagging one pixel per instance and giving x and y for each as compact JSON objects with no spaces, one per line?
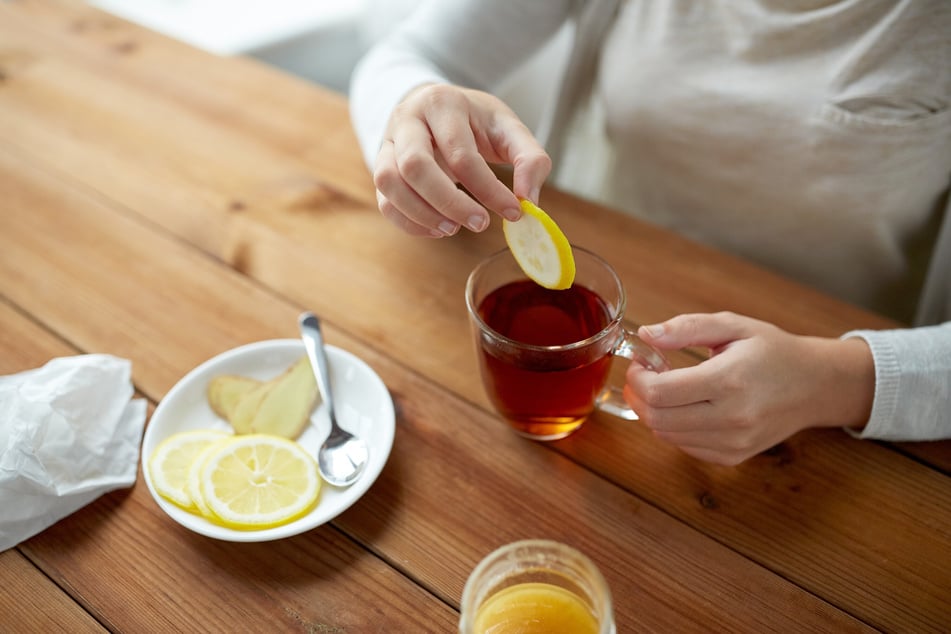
{"x":475,"y":43}
{"x":912,"y":383}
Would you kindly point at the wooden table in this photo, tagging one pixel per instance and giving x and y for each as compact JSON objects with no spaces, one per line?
{"x":165,"y":205}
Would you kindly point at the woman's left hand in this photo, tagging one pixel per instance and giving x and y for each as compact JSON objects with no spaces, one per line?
{"x":760,"y":385}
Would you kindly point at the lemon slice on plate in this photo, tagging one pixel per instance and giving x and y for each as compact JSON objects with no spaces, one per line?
{"x":193,"y":482}
{"x":258,"y":481}
{"x":169,"y":463}
{"x":540,"y":248}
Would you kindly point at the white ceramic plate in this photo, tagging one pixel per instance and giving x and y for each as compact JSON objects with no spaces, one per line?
{"x":363,"y":406}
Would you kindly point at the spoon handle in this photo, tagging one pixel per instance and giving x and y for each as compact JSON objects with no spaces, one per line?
{"x":314,"y":343}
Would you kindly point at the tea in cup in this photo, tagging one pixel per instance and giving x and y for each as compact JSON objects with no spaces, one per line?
{"x":545,"y":355}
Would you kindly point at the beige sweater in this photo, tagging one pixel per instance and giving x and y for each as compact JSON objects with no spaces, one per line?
{"x":760,"y":127}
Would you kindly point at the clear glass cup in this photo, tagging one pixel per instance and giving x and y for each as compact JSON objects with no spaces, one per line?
{"x":536,"y":587}
{"x":547,"y":390}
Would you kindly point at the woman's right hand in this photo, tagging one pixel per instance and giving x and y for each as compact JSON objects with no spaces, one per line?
{"x":441,"y":137}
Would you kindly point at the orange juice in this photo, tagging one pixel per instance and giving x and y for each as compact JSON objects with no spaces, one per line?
{"x":535,"y":608}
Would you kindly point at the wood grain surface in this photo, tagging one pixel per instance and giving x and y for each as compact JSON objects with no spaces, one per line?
{"x":165,"y":205}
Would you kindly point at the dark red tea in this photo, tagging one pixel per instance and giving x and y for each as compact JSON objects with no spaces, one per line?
{"x":544,"y":394}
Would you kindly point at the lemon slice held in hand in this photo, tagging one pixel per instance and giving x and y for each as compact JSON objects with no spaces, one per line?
{"x":540,"y":248}
{"x":258,"y":481}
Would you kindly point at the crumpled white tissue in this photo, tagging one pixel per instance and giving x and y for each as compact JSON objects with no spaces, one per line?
{"x":69,"y":432}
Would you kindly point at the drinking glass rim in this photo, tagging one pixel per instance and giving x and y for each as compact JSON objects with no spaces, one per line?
{"x":471,"y":597}
{"x":566,"y":347}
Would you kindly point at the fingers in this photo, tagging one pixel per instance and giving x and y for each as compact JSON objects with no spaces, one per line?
{"x":410,"y":178}
{"x":532,"y":166}
{"x":713,"y":380}
{"x":419,"y":172}
{"x":749,"y":395}
{"x":402,"y":221}
{"x":516,"y":145}
{"x":721,"y":446}
{"x":674,"y":388}
{"x":441,"y":136}
{"x":457,"y":142}
{"x":699,"y":430}
{"x":687,"y":417}
{"x":401,"y":205}
{"x":708,"y":330}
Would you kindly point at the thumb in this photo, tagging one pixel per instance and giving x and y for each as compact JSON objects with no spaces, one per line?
{"x":531,"y":165}
{"x":697,"y":329}
{"x":531,"y":168}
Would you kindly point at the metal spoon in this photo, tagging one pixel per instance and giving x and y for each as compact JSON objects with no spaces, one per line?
{"x":343,"y":456}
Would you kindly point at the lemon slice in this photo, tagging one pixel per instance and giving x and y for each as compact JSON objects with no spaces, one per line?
{"x":540,"y":248}
{"x":169,"y":463}
{"x":193,"y":481}
{"x":258,"y":481}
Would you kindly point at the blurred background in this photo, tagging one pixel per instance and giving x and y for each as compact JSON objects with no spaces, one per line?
{"x":319,"y":40}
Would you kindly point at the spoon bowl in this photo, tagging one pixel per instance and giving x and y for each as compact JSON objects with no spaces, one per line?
{"x":342,"y":456}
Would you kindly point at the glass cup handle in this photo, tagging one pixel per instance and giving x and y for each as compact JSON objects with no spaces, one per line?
{"x":630,"y":346}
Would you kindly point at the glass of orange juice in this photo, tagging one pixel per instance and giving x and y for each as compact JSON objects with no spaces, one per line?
{"x":536,"y":587}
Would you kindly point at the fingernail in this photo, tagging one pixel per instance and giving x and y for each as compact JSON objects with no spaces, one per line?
{"x":535,"y":194}
{"x":655,"y":331}
{"x":511,"y":214}
{"x":477,"y":223}
{"x":448,"y":228}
